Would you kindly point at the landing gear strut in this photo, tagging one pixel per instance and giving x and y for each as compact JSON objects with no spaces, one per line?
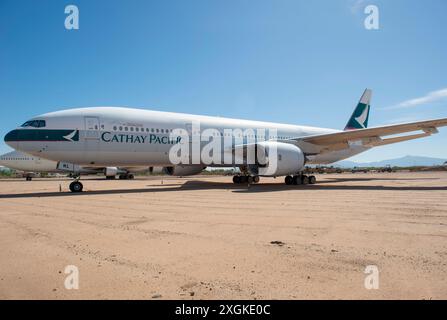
{"x":245,"y":179}
{"x":300,"y":179}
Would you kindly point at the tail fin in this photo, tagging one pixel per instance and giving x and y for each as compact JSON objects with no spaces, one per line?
{"x":360,"y":116}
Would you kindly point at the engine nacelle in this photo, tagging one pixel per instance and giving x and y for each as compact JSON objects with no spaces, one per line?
{"x":111,"y":171}
{"x":156,"y":170}
{"x":279,"y":159}
{"x":182,"y":170}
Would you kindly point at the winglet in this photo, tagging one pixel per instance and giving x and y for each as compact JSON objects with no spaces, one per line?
{"x":360,"y":116}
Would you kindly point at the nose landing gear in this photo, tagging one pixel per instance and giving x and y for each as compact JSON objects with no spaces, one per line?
{"x":76,"y":186}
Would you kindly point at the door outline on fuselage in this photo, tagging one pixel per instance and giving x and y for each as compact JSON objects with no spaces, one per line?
{"x":91,"y":128}
{"x":91,"y":138}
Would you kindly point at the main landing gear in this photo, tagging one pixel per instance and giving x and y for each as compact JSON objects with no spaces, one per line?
{"x":76,"y":186}
{"x":245,"y":179}
{"x":128,"y":176}
{"x":300,"y":179}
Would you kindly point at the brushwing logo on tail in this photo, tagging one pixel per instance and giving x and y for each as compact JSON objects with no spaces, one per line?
{"x":359,"y":118}
{"x":72,"y":137}
{"x":363,"y":117}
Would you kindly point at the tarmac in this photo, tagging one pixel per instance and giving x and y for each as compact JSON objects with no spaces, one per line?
{"x":205,"y":238}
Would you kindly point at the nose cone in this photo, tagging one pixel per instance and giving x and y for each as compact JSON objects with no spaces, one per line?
{"x":11,"y":139}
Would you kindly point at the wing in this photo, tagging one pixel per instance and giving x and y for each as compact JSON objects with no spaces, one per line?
{"x":373,"y":136}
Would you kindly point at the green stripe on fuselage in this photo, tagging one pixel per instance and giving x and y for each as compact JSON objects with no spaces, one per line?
{"x":42,"y":135}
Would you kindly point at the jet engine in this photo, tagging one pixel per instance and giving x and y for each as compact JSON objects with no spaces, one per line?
{"x":182,"y":170}
{"x":156,"y":170}
{"x":279,"y":159}
{"x":113,"y":171}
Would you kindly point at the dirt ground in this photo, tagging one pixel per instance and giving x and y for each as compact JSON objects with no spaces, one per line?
{"x":205,"y":238}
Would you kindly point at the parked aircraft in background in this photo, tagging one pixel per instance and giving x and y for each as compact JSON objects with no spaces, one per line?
{"x":31,"y":165}
{"x":100,"y":137}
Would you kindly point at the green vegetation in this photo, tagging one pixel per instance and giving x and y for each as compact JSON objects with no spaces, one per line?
{"x":6,"y":174}
{"x":332,"y":169}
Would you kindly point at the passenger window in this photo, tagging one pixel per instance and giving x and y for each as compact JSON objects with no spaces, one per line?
{"x":121,"y":128}
{"x":114,"y":128}
{"x":131,"y":128}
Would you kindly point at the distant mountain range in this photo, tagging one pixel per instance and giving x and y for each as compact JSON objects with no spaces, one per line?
{"x":407,"y":161}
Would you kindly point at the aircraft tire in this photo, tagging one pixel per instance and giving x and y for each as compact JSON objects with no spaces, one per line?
{"x":76,"y":187}
{"x":312,"y":180}
{"x":304,"y":180}
{"x":289,"y":180}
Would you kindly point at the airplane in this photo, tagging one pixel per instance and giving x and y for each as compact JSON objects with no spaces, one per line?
{"x":125,"y":137}
{"x":31,"y":165}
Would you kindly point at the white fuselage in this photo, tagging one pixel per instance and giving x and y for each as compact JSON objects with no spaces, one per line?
{"x":124,"y":137}
{"x":27,"y":163}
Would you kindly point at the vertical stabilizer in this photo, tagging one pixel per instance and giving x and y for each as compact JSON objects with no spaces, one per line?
{"x":360,"y":116}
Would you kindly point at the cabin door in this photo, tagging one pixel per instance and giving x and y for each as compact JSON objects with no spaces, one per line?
{"x":92,"y":134}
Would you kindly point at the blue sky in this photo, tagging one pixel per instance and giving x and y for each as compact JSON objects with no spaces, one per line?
{"x":299,"y":62}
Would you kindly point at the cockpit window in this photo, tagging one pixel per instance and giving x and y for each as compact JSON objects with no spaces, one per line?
{"x":34,"y":124}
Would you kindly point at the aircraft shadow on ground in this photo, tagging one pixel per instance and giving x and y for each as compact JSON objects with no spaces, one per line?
{"x":209,"y":185}
{"x":372,"y":179}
